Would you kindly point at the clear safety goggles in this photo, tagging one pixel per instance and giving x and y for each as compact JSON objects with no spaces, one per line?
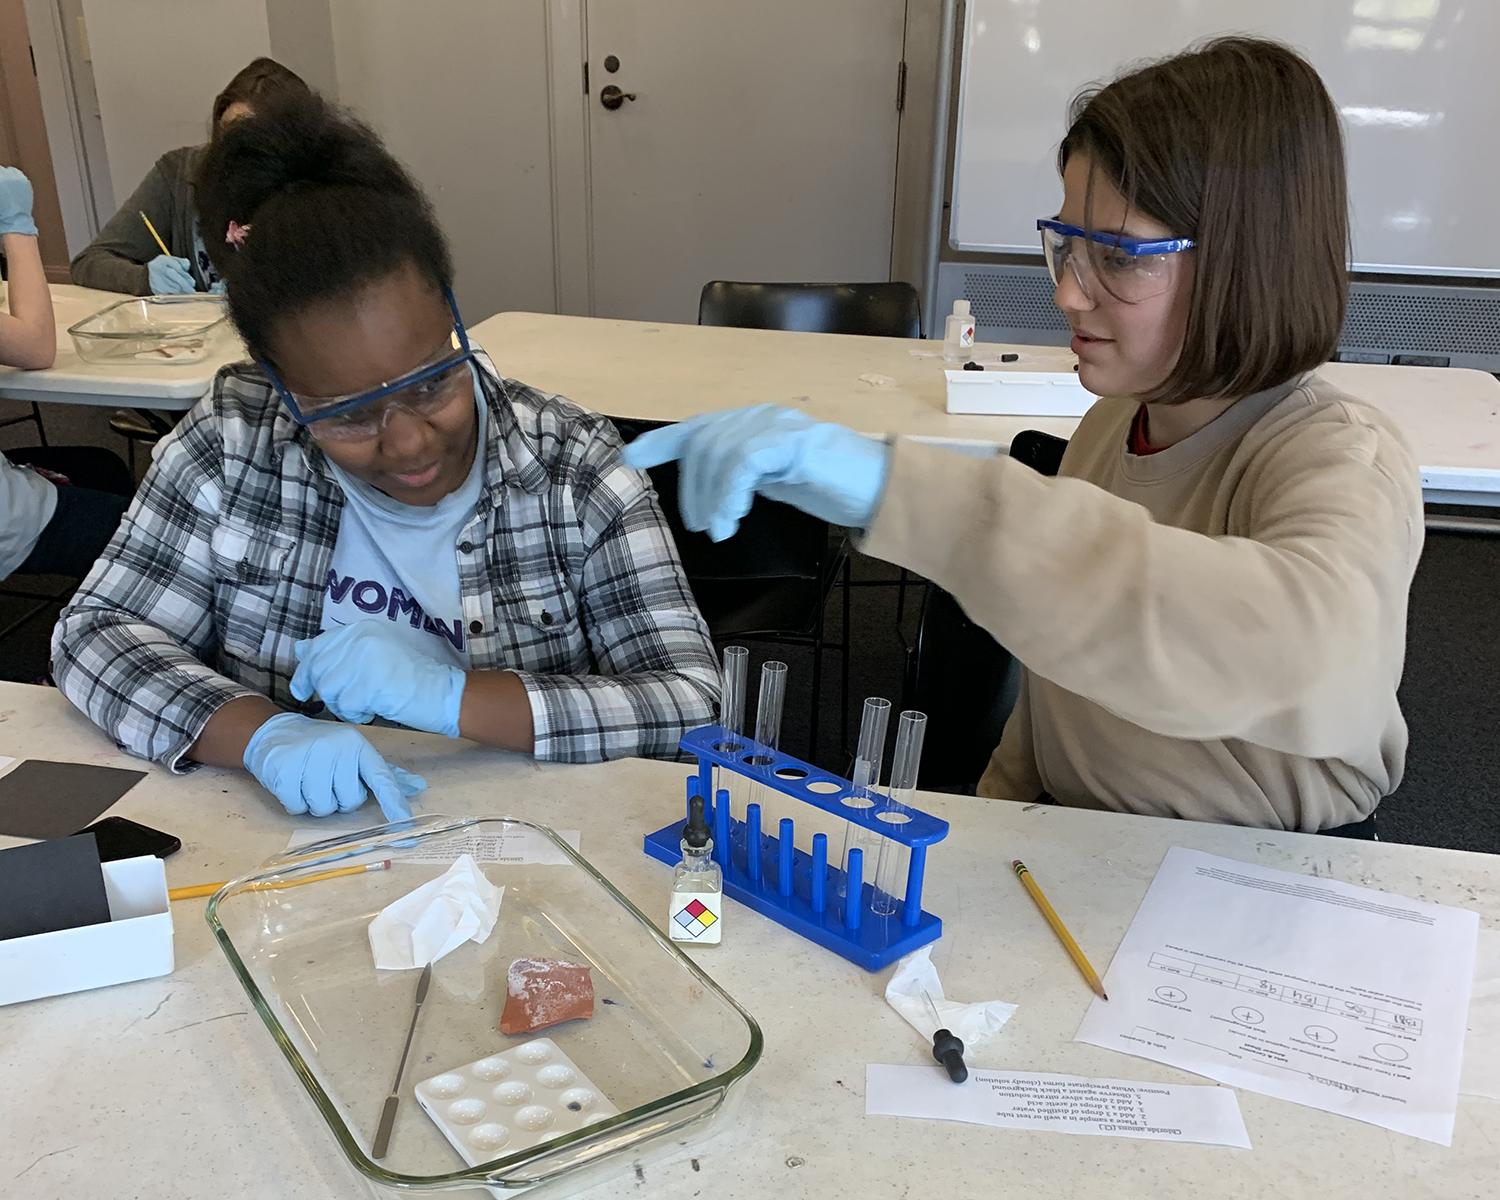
{"x":423,"y":392}
{"x":1125,"y":268}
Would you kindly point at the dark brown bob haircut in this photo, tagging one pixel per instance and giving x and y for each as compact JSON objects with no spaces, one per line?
{"x":1236,"y":144}
{"x":259,"y":80}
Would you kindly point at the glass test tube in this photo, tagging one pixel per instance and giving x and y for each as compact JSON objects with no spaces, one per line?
{"x":768,"y":741}
{"x":732,"y":709}
{"x":892,"y":859}
{"x":868,"y":759}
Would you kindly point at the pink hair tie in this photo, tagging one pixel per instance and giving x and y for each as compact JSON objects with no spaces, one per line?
{"x":236,"y":234}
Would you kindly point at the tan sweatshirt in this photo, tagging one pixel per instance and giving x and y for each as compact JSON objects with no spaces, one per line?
{"x":1214,"y":631}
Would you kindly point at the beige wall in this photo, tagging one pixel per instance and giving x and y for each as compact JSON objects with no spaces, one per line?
{"x":459,"y":92}
{"x":158,"y":64}
{"x":464,"y":93}
{"x":302,"y":39}
{"x":909,"y":238}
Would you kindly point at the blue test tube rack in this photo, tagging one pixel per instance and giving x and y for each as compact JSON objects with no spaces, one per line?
{"x":801,"y":891}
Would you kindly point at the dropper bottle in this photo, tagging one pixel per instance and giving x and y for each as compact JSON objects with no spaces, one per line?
{"x":697,"y":909}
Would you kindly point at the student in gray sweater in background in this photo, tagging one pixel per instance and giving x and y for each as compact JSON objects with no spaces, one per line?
{"x":125,"y":257}
{"x":1209,"y":600}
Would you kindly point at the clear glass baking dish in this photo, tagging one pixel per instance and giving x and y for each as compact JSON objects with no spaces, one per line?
{"x":666,"y":1045}
{"x":161,"y":330}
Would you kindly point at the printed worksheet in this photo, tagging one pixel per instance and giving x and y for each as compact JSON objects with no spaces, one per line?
{"x":1330,"y":995}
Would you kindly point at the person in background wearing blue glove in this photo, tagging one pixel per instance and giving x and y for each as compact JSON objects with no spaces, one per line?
{"x":45,"y":528}
{"x":1210,"y":600}
{"x":125,"y":257}
{"x":370,"y":522}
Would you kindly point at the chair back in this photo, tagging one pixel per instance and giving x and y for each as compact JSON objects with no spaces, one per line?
{"x":770,"y":578}
{"x":873,"y":309}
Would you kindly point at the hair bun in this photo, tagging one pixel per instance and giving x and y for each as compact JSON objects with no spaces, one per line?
{"x":331,"y":209}
{"x":297,"y":143}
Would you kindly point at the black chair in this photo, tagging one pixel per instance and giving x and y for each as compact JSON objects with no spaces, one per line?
{"x":964,"y":680}
{"x":966,"y":683}
{"x":873,"y":309}
{"x":1042,"y":452}
{"x":770,"y":581}
{"x":141,"y":426}
{"x":88,"y":466}
{"x":35,"y":417}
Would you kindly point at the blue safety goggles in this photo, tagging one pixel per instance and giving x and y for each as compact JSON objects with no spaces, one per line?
{"x":311,"y":410}
{"x":1129,"y":268}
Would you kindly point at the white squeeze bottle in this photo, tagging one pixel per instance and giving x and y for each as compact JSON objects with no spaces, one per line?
{"x":958,"y":334}
{"x":697,"y":909}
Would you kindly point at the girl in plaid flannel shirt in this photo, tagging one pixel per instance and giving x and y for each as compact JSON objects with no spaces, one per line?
{"x":199,"y":635}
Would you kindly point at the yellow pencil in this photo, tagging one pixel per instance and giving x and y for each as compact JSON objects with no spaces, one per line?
{"x":156,"y":235}
{"x":208,"y":889}
{"x":1090,"y":975}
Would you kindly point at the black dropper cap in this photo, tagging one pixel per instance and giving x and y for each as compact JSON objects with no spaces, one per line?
{"x":949,"y":1050}
{"x":695,"y":832}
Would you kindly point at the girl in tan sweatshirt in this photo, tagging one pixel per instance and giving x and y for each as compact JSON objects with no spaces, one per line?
{"x":1210,"y":599}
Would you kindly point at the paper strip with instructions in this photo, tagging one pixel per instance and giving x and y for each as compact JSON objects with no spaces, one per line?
{"x":1339,"y":997}
{"x":1160,"y":1112}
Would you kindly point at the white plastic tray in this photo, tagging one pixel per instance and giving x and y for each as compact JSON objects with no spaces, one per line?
{"x":1017,"y":390}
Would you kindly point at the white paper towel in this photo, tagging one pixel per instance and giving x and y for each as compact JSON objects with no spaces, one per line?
{"x":972,"y":1023}
{"x":437,"y":918}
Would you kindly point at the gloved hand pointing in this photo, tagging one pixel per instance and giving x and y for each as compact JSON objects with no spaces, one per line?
{"x":15,"y":202}
{"x":170,"y":276}
{"x":319,"y":768}
{"x":725,"y":459}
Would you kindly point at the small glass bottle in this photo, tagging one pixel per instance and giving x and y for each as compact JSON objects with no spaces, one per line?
{"x":958,"y":333}
{"x":696,"y":913}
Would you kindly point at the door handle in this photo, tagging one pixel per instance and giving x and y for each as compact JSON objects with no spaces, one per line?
{"x":612,"y":97}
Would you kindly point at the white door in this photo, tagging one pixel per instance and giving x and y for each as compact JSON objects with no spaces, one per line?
{"x":760,"y":144}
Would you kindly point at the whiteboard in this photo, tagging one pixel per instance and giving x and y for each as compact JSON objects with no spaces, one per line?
{"x":1417,"y":84}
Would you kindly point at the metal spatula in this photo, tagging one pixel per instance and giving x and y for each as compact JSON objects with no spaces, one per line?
{"x":393,"y":1101}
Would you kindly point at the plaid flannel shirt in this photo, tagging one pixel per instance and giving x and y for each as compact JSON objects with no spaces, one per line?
{"x":567,"y":572}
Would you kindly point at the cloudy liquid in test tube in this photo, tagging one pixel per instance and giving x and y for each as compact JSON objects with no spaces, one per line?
{"x":892,"y":857}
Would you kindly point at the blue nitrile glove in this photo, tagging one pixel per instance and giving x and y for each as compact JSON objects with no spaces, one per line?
{"x":319,"y":768}
{"x":726,"y":458}
{"x":169,"y":276}
{"x":15,"y":202}
{"x":369,"y":669}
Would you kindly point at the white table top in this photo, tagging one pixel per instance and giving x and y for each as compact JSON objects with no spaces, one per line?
{"x":667,"y":372}
{"x":169,"y":1088}
{"x":174,"y":387}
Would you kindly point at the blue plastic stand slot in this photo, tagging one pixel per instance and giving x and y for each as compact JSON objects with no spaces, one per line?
{"x":768,"y":873}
